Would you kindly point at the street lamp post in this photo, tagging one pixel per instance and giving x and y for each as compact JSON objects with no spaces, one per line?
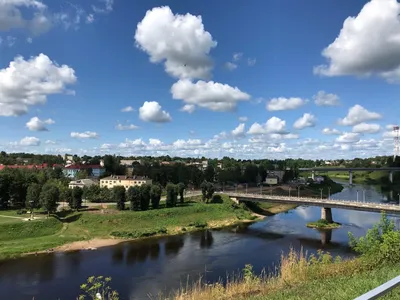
{"x":363,"y":195}
{"x":321,"y":193}
{"x":357,"y":195}
{"x":329,"y":192}
{"x":298,"y":192}
{"x":289,"y":191}
{"x":235,"y":187}
{"x":260,"y":188}
{"x":246,"y":188}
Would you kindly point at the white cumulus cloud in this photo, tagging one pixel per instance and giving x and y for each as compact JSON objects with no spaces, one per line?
{"x":120,"y":126}
{"x":180,"y":41}
{"x":127,"y":109}
{"x":324,"y":99}
{"x":367,"y":44}
{"x":366,"y":128}
{"x":282,"y":103}
{"x":307,"y":120}
{"x":30,"y":141}
{"x":28,"y":82}
{"x":273,"y":125}
{"x":348,"y":137}
{"x":211,"y":95}
{"x":151,"y":111}
{"x":230,"y":66}
{"x":85,"y":135}
{"x":331,"y":131}
{"x":243,"y":119}
{"x":358,"y":114}
{"x":189,"y":108}
{"x":35,"y":124}
{"x":239,"y":131}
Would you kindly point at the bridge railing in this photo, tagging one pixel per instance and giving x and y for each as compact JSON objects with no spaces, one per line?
{"x":381,"y":290}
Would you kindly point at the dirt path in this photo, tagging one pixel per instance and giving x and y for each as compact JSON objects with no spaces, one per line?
{"x":88,"y":245}
{"x":21,"y":218}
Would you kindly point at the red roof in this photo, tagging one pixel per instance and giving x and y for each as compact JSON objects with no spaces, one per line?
{"x":42,"y":166}
{"x":78,"y":167}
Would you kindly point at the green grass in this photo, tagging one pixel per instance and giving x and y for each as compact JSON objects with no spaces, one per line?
{"x":6,"y":219}
{"x":339,"y":287}
{"x":32,"y":236}
{"x":323,"y":224}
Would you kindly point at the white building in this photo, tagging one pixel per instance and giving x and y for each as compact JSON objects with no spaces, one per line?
{"x":81,"y":183}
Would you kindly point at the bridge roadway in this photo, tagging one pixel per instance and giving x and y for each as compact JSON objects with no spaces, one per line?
{"x":330,"y":169}
{"x":324,"y":203}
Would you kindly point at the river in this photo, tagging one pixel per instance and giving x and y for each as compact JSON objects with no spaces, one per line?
{"x":147,"y":267}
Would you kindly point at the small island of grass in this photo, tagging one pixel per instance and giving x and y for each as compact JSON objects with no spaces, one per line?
{"x":323,"y":224}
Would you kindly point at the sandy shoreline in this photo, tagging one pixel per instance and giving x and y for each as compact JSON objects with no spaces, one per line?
{"x":92,"y":244}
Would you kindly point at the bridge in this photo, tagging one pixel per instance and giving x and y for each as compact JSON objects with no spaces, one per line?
{"x":350,"y":170}
{"x":326,"y":204}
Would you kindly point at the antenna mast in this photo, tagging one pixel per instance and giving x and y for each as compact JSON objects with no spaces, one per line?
{"x":396,"y":141}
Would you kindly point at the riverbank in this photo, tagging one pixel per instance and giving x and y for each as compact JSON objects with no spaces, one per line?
{"x":94,"y":228}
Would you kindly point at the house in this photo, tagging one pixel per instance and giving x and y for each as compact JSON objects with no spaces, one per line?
{"x":34,"y":167}
{"x":278,"y":174}
{"x":271,"y":180}
{"x":72,"y":170}
{"x":125,"y":181}
{"x":126,"y":162}
{"x":81,"y":183}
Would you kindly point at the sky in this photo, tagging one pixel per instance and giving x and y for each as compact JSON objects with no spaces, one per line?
{"x":247,"y":79}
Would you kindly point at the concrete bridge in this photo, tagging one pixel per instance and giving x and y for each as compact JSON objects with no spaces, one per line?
{"x":350,"y":170}
{"x":326,"y":204}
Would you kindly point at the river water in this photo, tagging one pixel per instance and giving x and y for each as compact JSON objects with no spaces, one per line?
{"x":140,"y":269}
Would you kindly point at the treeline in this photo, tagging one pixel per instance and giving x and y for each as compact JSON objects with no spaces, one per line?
{"x":20,"y":188}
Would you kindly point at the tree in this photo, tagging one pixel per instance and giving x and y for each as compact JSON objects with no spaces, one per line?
{"x":66,"y":196}
{"x":118,"y":194}
{"x":49,"y":197}
{"x":134,"y":197}
{"x":171,"y":195}
{"x":77,"y":193}
{"x":82,"y":174}
{"x":181,"y":190}
{"x":203,"y":187}
{"x":33,"y":196}
{"x":93,"y":193}
{"x":210,"y":190}
{"x":155,"y":195}
{"x":4,"y":196}
{"x":145,"y":196}
{"x":105,"y":195}
{"x":209,"y":173}
{"x":207,"y":190}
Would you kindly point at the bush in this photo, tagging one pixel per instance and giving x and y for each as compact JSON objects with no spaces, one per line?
{"x":380,"y":245}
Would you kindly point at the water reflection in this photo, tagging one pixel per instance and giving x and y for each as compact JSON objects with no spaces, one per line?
{"x":118,"y":254}
{"x":173,"y":245}
{"x":206,"y":239}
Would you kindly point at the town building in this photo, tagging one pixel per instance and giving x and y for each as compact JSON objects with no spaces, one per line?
{"x":81,"y":183}
{"x":32,"y":167}
{"x":72,"y":170}
{"x":271,"y":180}
{"x":125,"y":181}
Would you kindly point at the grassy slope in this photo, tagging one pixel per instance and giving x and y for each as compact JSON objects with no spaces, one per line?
{"x":340,"y":287}
{"x":23,"y":237}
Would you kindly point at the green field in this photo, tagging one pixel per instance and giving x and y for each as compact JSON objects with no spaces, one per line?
{"x":31,"y":236}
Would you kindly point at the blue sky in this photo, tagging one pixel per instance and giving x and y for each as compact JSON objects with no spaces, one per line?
{"x":273,"y":79}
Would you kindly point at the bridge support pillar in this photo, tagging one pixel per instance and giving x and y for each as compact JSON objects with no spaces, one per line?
{"x":326,"y":214}
{"x":326,"y":236}
{"x":350,"y":177}
{"x":313,"y":175}
{"x":391,"y":177}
